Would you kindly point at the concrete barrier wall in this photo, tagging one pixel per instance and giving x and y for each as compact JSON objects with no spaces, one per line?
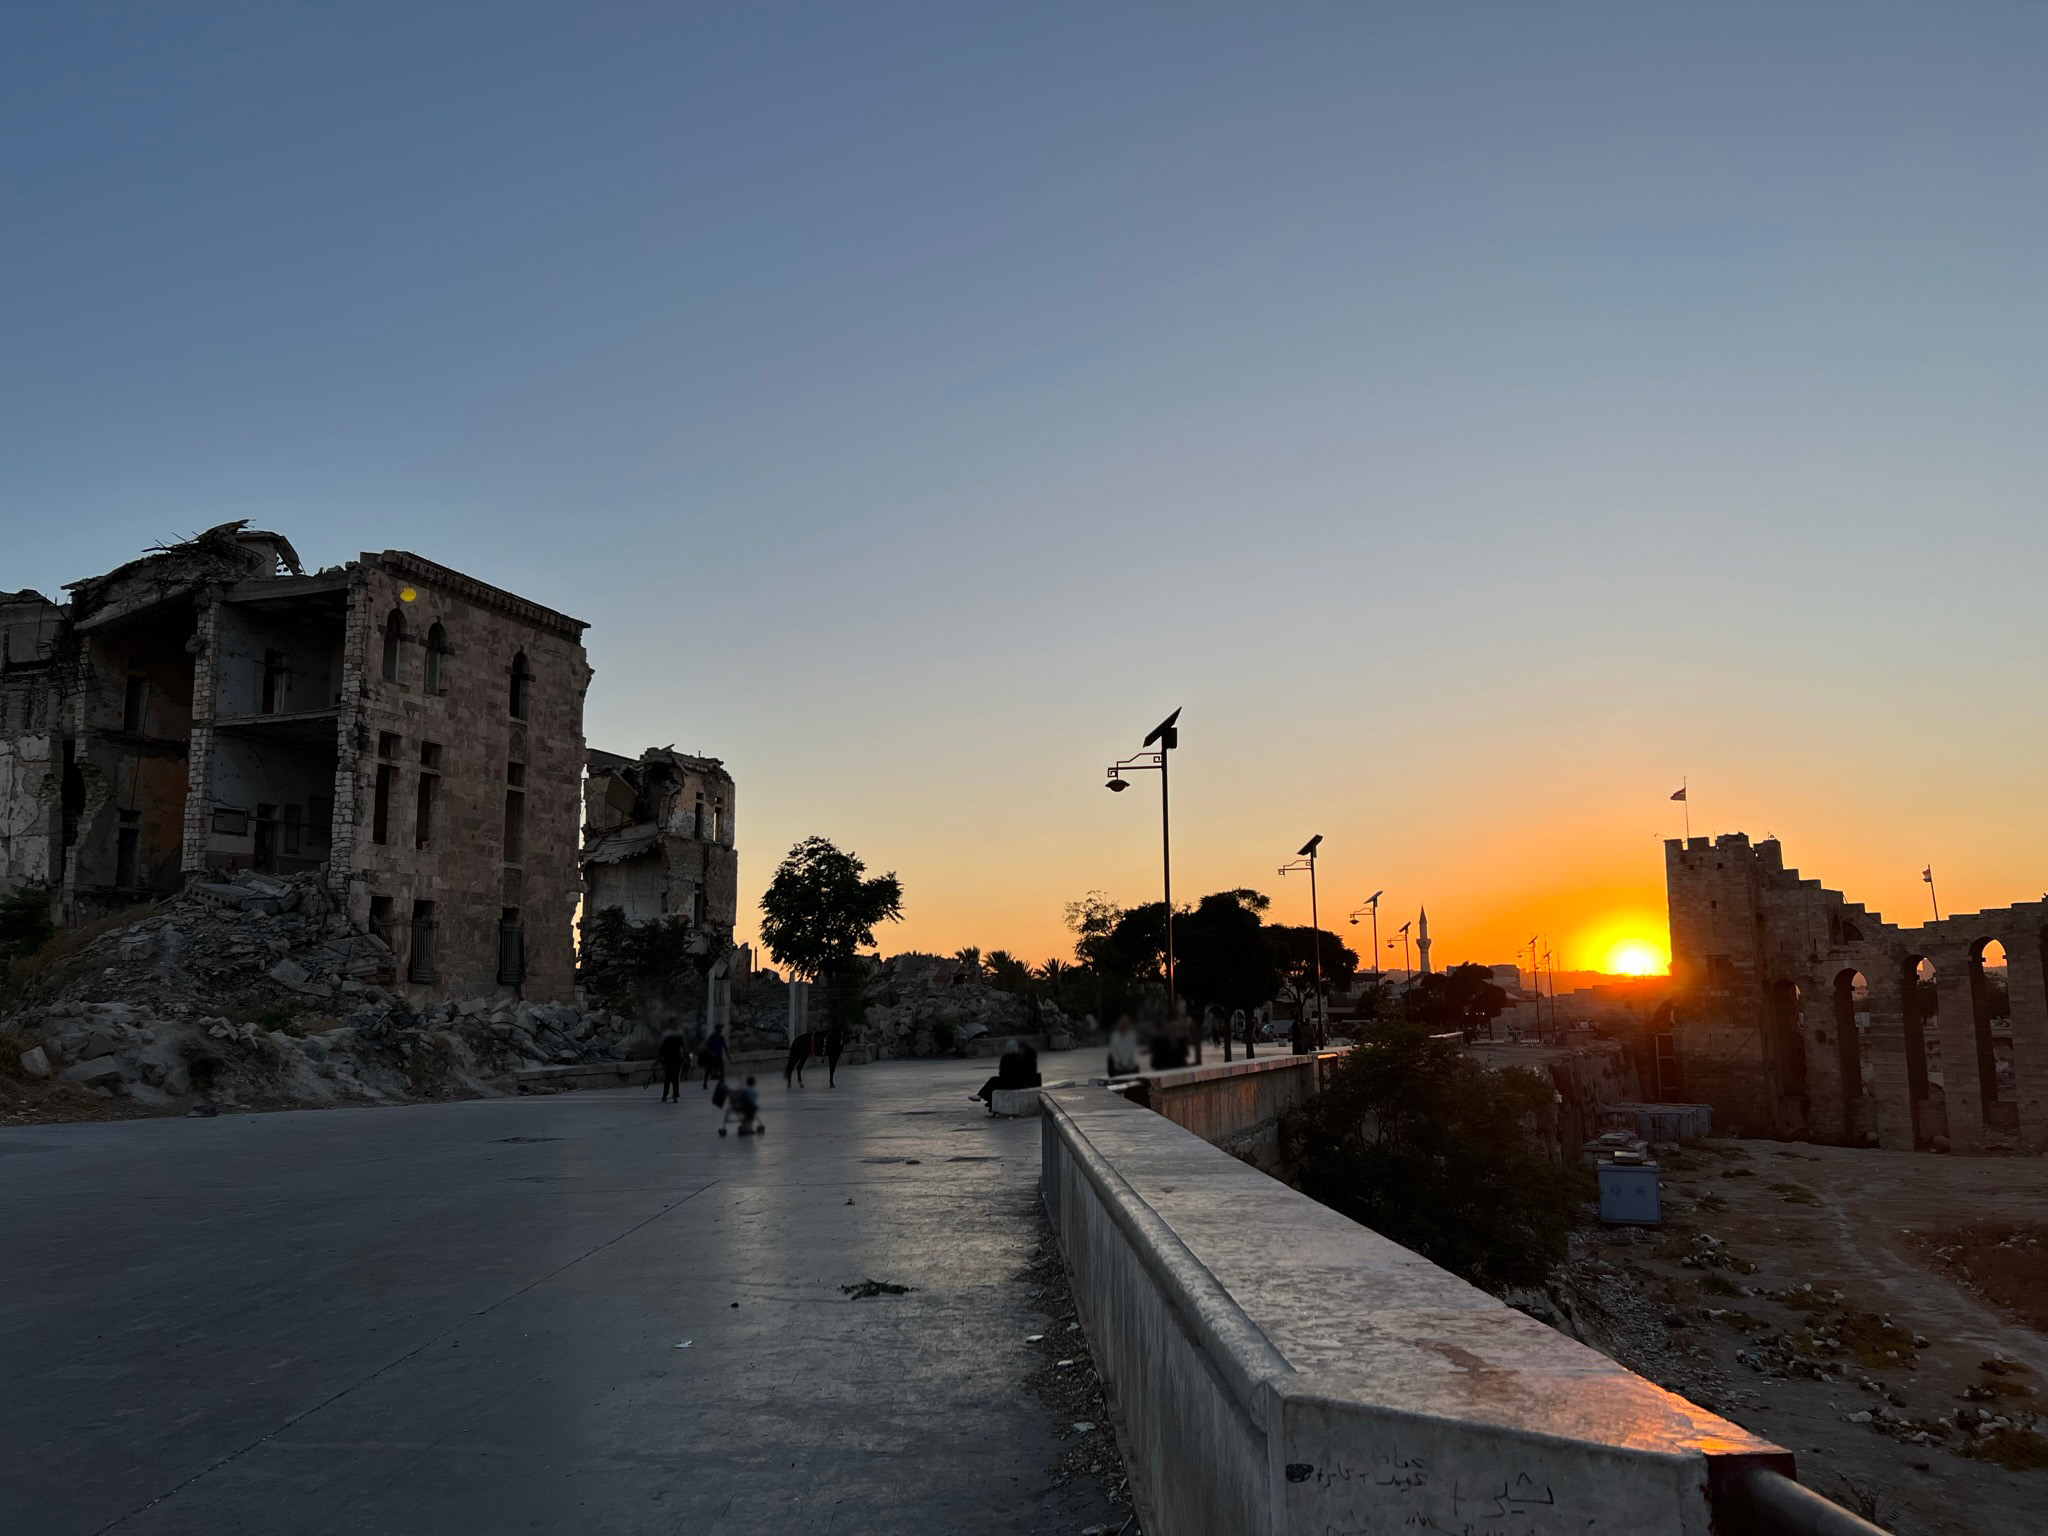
{"x":1236,"y":1105}
{"x":1276,"y":1368}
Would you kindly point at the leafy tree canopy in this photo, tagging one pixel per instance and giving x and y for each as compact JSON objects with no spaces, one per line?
{"x":820,"y":909}
{"x":1464,"y":998}
{"x":1414,"y":1139}
{"x":1222,"y":953}
{"x":627,"y":964}
{"x":1294,"y":950}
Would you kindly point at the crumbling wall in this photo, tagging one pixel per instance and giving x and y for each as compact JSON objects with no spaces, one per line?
{"x":659,"y":841}
{"x":1766,"y":1024}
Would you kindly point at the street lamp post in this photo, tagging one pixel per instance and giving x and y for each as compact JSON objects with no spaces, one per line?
{"x":1166,"y":735}
{"x":1306,"y":859}
{"x":1372,"y":902}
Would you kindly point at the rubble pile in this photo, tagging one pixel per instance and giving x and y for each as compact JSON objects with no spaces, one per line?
{"x":916,"y":1005}
{"x":260,"y":993}
{"x":919,"y":1005}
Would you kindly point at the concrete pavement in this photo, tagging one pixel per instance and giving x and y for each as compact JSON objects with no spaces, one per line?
{"x":466,"y":1317}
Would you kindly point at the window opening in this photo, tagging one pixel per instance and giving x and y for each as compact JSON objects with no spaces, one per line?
{"x":522,"y":686}
{"x":394,"y":641}
{"x":135,"y":704}
{"x":515,"y":827}
{"x":425,"y":930}
{"x":435,"y":678}
{"x":128,"y":851}
{"x":430,"y":786}
{"x":266,"y":837}
{"x":273,"y":682}
{"x":511,"y":947}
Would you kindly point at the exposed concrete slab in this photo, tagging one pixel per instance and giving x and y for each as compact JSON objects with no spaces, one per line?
{"x":464,"y":1317}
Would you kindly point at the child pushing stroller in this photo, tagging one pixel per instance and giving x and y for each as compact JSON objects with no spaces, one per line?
{"x":743,"y":1102}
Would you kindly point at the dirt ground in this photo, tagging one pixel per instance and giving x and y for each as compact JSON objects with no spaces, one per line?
{"x":1864,"y":1309}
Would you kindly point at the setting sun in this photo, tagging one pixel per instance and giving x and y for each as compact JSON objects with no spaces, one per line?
{"x":1633,"y":957}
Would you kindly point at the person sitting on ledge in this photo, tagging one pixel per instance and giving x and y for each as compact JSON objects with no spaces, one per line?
{"x":1017,"y":1069}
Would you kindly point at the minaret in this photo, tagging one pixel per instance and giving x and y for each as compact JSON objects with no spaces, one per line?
{"x":1422,"y":938}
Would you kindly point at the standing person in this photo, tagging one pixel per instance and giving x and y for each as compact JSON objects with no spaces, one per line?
{"x":714,"y":1056}
{"x":835,"y":1046}
{"x":1123,"y":1048}
{"x":669,"y":1054}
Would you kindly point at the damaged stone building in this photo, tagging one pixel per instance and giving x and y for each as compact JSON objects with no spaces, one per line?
{"x":658,"y":842}
{"x":212,"y":707}
{"x":1795,"y":1012}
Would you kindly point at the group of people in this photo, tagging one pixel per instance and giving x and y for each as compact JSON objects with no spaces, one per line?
{"x":672,"y":1063}
{"x":673,"y":1057}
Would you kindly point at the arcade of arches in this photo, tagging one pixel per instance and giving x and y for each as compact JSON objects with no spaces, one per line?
{"x":1795,"y":1012}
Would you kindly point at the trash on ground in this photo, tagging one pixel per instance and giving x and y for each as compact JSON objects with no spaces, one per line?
{"x":869,"y":1288}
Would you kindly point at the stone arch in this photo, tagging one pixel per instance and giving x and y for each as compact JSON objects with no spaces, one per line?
{"x":1919,"y":1004}
{"x":1991,"y":1022}
{"x":1852,"y":1018}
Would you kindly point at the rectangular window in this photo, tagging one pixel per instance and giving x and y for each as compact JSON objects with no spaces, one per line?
{"x":430,"y":755}
{"x":515,"y":774}
{"x":266,"y":837}
{"x":384,"y":921}
{"x":423,"y":819}
{"x":294,"y":829}
{"x":515,"y":827}
{"x":387,"y":746}
{"x":319,"y":820}
{"x":273,"y":683}
{"x":423,"y":965}
{"x":135,"y":705}
{"x":511,"y":948}
{"x":697,"y":826}
{"x":128,"y":851}
{"x":380,"y":816}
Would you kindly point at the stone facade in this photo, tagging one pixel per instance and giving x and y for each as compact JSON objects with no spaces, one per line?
{"x":412,"y":732}
{"x":658,"y":841}
{"x":1795,"y":1012}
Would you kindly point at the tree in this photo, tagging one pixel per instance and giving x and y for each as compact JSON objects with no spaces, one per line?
{"x":1295,"y":951}
{"x":819,"y":910}
{"x":627,"y":965}
{"x":1464,"y":998}
{"x":1223,"y":956}
{"x":1414,"y":1139}
{"x":1006,"y":973}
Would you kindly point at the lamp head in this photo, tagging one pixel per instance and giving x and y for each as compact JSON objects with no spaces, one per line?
{"x":1308,"y":849}
{"x":1117,"y":786}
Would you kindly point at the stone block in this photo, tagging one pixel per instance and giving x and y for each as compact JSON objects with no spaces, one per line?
{"x":35,"y":1062}
{"x":290,"y":972}
{"x":98,"y":1071}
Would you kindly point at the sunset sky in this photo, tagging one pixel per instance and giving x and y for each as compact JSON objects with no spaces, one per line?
{"x":1476,"y":418}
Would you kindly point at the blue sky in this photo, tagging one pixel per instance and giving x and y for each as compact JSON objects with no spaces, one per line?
{"x":1475,"y":416}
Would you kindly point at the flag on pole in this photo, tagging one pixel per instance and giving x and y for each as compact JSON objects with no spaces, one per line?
{"x":1679,"y":796}
{"x":1927,"y":874}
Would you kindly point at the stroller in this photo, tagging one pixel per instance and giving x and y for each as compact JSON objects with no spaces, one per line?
{"x":743,"y":1104}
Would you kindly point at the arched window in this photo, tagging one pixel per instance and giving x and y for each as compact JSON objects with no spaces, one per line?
{"x":436,"y":678}
{"x":394,"y":642}
{"x":522,"y":686}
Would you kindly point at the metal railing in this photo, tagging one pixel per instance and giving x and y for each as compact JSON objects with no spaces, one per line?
{"x":1755,"y":1499}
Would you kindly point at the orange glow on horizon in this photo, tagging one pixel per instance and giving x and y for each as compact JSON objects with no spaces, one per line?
{"x":1634,"y":957}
